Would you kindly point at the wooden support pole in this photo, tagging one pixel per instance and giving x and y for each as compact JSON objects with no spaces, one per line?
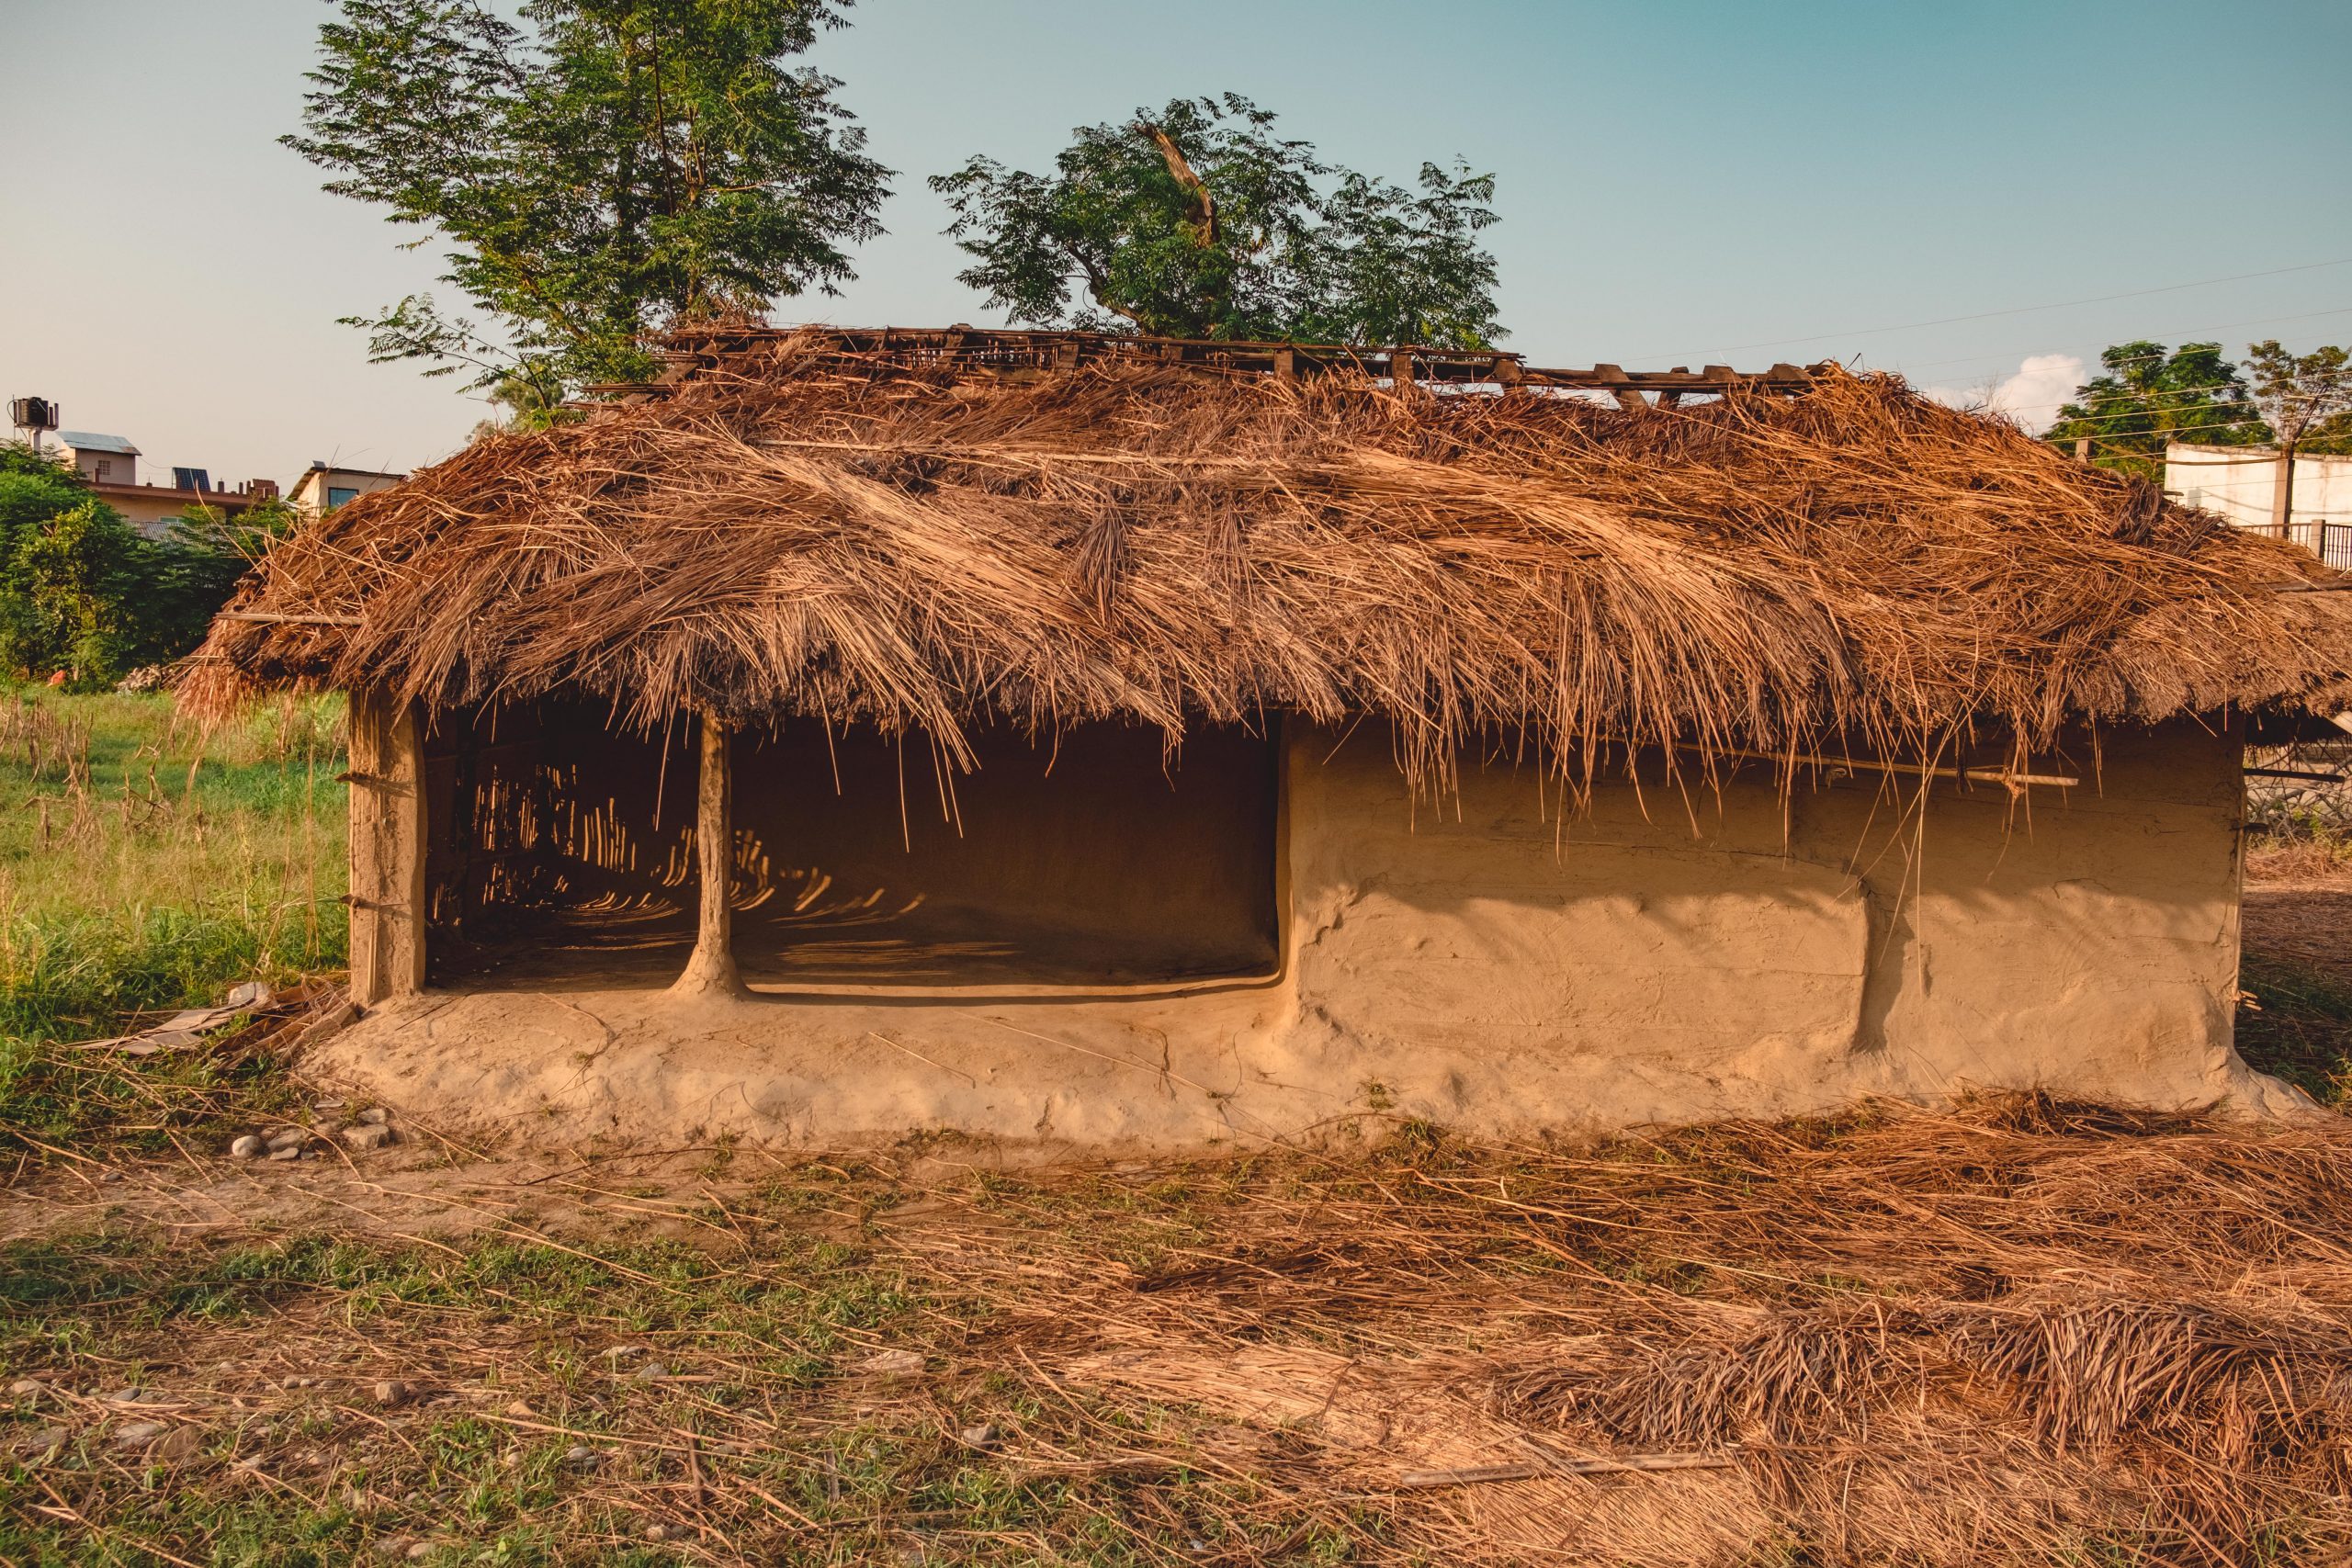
{"x":386,"y":848}
{"x":711,"y":969}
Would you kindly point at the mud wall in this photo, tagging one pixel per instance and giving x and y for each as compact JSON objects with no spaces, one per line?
{"x":1492,"y":968}
{"x":1669,"y":955}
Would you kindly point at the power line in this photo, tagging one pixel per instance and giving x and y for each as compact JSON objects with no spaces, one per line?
{"x":2021,"y":310}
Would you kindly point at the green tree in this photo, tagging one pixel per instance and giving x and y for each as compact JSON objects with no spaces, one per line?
{"x":602,"y":168}
{"x":67,"y":597}
{"x":34,"y":488}
{"x":2330,"y":438}
{"x":2149,"y":395}
{"x":1198,"y":220}
{"x":2296,"y":393}
{"x":189,"y":573}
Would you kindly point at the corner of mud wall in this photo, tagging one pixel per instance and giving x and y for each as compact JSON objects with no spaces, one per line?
{"x":387,"y":825}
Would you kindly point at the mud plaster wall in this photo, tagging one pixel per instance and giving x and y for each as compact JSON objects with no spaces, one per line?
{"x":1492,"y":969}
{"x":1784,"y":950}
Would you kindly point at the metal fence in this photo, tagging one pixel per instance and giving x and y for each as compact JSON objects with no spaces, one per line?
{"x":2300,"y":789}
{"x":2332,"y":542}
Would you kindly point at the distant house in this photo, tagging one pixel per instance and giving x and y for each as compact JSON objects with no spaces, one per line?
{"x":322,"y":488}
{"x":102,"y":459}
{"x":109,"y":463}
{"x":2241,"y":483}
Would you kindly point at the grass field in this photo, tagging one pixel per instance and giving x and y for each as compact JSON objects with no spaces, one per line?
{"x":2023,"y":1333}
{"x":148,"y":865}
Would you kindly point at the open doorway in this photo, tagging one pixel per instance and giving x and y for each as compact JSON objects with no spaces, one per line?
{"x":560,"y":853}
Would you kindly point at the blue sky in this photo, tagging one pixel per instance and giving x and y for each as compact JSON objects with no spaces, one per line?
{"x":1678,"y":184}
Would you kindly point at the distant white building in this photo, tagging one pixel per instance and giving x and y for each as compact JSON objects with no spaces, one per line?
{"x":2241,"y":483}
{"x":322,"y":488}
{"x":110,"y":465}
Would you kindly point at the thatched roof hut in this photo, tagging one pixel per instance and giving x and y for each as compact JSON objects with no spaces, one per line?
{"x":962,"y":536}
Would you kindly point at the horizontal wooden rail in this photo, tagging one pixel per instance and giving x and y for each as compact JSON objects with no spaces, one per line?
{"x":689,"y":352}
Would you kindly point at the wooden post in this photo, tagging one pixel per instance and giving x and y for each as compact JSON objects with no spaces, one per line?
{"x":711,"y":969}
{"x":386,"y":848}
{"x":2282,"y":494}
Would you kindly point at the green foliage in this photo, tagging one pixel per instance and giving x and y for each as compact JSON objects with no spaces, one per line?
{"x":1200,"y":221}
{"x":146,"y":865}
{"x":66,"y":593}
{"x":2149,"y":395}
{"x":2296,"y":391}
{"x":34,"y":488}
{"x":85,"y":594}
{"x":601,"y":167}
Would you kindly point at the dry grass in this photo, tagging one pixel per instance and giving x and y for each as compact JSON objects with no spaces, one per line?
{"x":799,"y":532}
{"x":2022,"y":1333}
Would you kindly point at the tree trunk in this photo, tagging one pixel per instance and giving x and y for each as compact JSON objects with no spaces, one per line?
{"x":710,"y":970}
{"x":386,"y":848}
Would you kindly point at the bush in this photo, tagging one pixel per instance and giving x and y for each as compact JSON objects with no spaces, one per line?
{"x":85,"y":594}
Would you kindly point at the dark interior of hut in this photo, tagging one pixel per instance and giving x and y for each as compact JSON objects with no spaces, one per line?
{"x":560,"y":851}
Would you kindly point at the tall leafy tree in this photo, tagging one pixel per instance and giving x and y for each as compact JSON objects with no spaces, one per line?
{"x":1199,"y":220}
{"x":2149,"y":396}
{"x":598,"y":169}
{"x":2298,"y":393}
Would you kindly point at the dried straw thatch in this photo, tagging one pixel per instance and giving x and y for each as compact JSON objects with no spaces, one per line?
{"x":806,"y":530}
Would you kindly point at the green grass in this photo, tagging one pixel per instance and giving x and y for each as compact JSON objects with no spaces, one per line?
{"x":2298,"y":1026}
{"x":765,"y":1443}
{"x":146,"y":864}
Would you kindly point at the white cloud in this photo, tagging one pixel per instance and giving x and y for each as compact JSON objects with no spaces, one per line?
{"x":2031,"y":394}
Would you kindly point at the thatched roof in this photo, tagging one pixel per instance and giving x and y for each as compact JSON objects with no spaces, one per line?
{"x":802,"y":529}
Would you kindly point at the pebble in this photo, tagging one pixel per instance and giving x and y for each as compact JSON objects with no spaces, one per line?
{"x":246,"y":1147}
{"x":288,"y":1138}
{"x":984,"y":1436}
{"x":375,"y":1116}
{"x":391,"y":1392}
{"x":390,"y":1546}
{"x":290,"y":1152}
{"x":25,"y":1387}
{"x":581,"y":1454}
{"x":111,"y":1175}
{"x":892,"y":1364}
{"x":43,"y":1442}
{"x":519,"y":1408}
{"x":124,"y":1396}
{"x":138,"y":1432}
{"x":420,"y":1550}
{"x":368,"y":1135}
{"x":657,"y":1532}
{"x":328,"y":1105}
{"x":179,"y":1443}
{"x":652,"y":1371}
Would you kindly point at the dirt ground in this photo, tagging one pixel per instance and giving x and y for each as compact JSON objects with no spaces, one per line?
{"x":2019,"y":1332}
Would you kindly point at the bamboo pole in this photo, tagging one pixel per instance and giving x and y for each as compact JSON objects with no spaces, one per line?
{"x":711,"y":969}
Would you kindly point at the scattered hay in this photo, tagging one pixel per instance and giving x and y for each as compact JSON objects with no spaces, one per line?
{"x":2023,"y":1332}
